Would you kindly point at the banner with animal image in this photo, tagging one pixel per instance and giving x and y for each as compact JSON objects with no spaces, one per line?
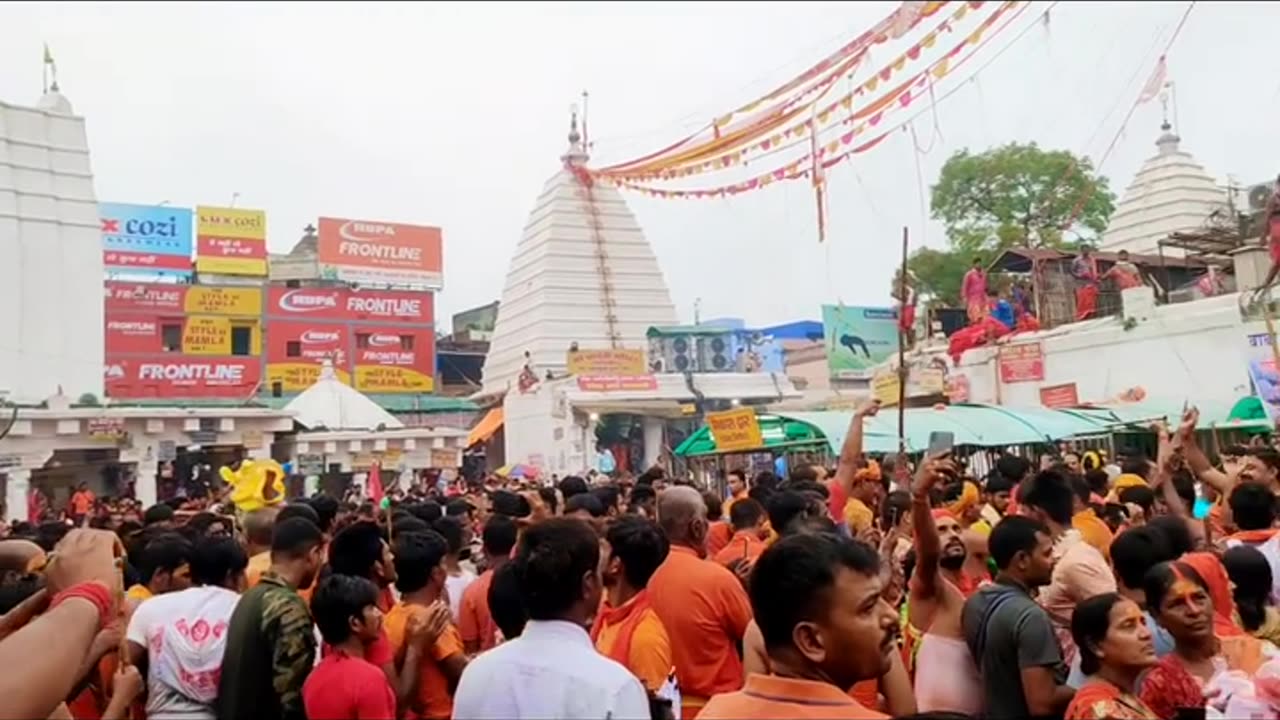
{"x":858,"y":339}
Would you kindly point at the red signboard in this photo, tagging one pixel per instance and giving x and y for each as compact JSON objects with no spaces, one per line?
{"x":132,"y":334}
{"x":394,"y":359}
{"x":289,"y":342}
{"x":120,"y":260}
{"x":1022,"y":362}
{"x":1060,"y":396}
{"x":309,"y":304}
{"x":144,"y":297}
{"x":182,"y":377}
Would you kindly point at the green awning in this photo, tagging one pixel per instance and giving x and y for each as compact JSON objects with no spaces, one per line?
{"x":778,"y":433}
{"x":975,"y":425}
{"x":1247,"y":413}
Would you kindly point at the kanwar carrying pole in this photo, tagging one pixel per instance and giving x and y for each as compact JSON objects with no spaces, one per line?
{"x":902,"y":349}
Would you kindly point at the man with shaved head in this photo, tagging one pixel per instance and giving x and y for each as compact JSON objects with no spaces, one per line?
{"x":19,"y":558}
{"x":258,"y":526}
{"x":702,"y":604}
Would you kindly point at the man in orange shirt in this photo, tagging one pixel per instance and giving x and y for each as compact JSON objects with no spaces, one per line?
{"x":475,"y":622}
{"x":817,"y":601}
{"x":737,"y":481}
{"x":81,"y":503}
{"x":702,"y":604}
{"x":428,"y":662}
{"x":627,"y":629}
{"x":747,"y":518}
{"x":718,"y":528}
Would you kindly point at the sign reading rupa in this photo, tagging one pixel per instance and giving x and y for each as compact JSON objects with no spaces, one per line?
{"x":325,"y":304}
{"x":362,"y":251}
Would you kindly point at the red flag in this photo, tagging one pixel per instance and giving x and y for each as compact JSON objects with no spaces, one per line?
{"x":374,"y":484}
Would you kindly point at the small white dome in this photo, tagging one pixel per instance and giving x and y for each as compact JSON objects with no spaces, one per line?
{"x":56,"y":102}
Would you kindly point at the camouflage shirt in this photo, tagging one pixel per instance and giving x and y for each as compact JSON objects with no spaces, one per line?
{"x":270,"y":650}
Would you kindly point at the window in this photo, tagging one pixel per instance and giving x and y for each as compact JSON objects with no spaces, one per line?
{"x":362,"y":341}
{"x":293,"y":348}
{"x":241,"y":340}
{"x":406,"y":342}
{"x":171,"y":338}
{"x":277,"y":389}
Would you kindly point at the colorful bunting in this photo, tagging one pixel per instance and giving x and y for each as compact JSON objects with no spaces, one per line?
{"x":695,"y":163}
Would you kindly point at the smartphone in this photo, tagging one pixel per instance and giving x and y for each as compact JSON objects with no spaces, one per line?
{"x":941,"y":442}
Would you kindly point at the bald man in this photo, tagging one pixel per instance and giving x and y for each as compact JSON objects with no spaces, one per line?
{"x":258,"y":526}
{"x":19,"y":558}
{"x":701,"y":604}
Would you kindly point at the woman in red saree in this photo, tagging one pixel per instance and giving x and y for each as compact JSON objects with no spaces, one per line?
{"x":1182,"y":603}
{"x":1115,"y":647}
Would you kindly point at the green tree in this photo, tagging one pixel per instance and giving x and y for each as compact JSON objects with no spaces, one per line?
{"x":1014,"y":195}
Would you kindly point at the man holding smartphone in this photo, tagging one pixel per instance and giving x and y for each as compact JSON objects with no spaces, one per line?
{"x":946,"y":677}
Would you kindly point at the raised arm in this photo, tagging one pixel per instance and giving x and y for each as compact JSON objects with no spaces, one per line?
{"x":928,"y":543}
{"x":1195,"y":457}
{"x":37,"y":656}
{"x":851,"y":452}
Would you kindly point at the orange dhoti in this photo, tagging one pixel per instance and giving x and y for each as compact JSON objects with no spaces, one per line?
{"x":1086,"y":301}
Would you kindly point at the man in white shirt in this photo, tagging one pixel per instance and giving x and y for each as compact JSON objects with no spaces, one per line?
{"x":177,"y":639}
{"x":457,"y":575}
{"x":552,"y":670}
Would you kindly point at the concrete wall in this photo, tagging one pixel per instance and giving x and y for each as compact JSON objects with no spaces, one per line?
{"x":1195,"y":351}
{"x":50,"y":336}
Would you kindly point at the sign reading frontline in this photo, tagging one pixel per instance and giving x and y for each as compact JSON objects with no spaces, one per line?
{"x":735,"y":430}
{"x":328,"y":304}
{"x":151,"y":240}
{"x":858,"y":339}
{"x":163,"y":376}
{"x":361,"y":251}
{"x":230,"y":241}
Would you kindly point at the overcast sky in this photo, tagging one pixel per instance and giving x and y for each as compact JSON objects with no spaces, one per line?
{"x":455,"y":115}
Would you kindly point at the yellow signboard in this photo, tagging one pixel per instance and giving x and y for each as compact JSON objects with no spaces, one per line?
{"x":389,"y":459}
{"x":388,"y":378}
{"x":207,"y":336}
{"x":615,"y":363}
{"x":224,"y":301}
{"x":735,"y":430}
{"x":231,"y":266}
{"x":885,"y":387}
{"x":921,"y":382}
{"x":296,"y":377}
{"x":231,"y":241}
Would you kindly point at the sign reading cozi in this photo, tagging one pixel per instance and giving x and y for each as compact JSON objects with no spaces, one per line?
{"x":146,"y":239}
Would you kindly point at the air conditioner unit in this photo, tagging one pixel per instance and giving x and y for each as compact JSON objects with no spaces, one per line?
{"x":717,"y":354}
{"x":682,"y":354}
{"x":1258,"y":195}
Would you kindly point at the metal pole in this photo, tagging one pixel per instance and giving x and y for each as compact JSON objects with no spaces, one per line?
{"x":902,"y":348}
